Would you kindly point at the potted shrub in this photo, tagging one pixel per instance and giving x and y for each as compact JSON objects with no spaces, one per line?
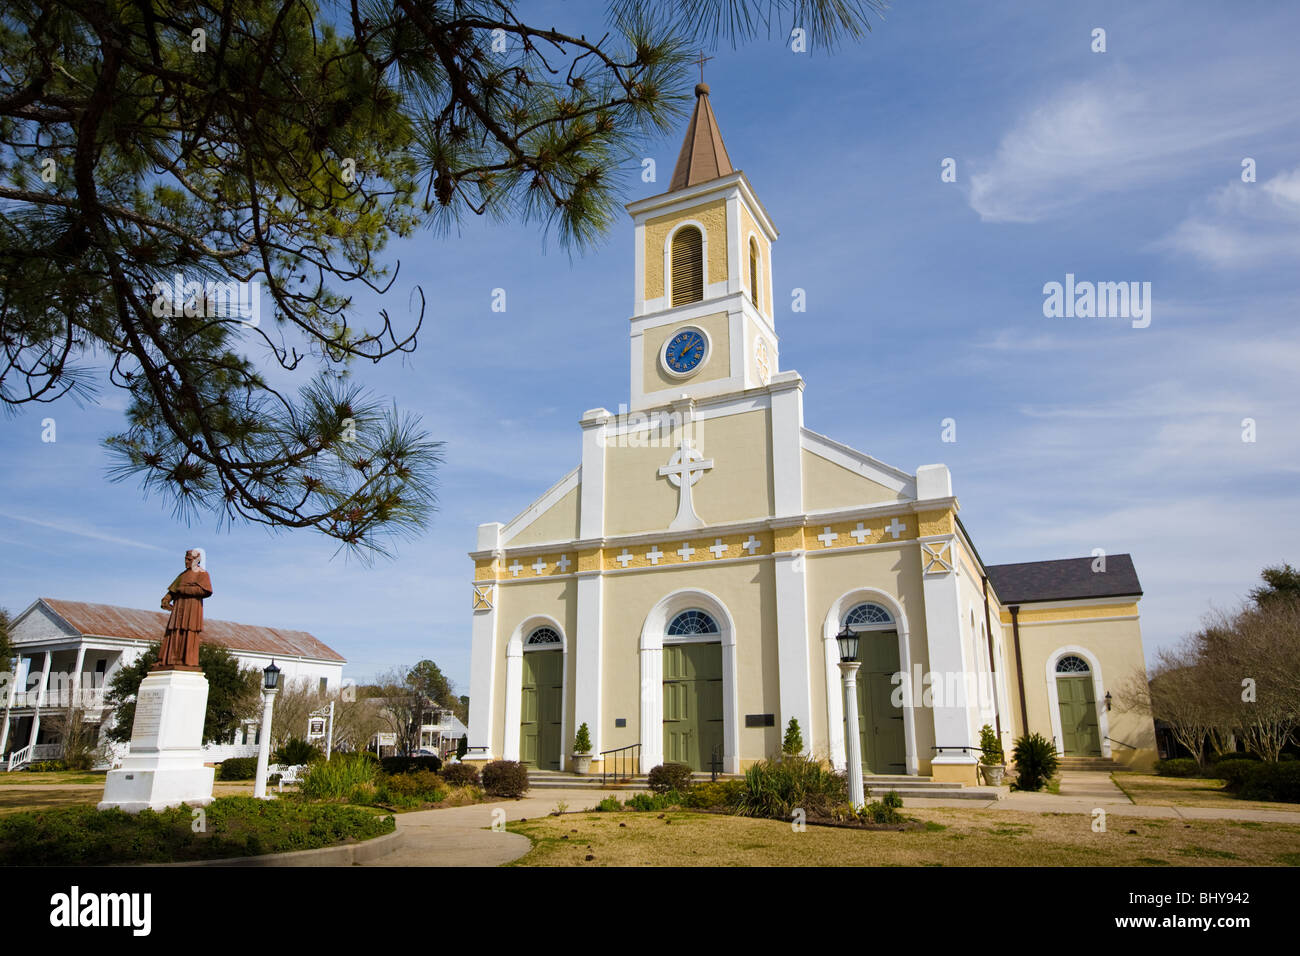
{"x":582,"y":750}
{"x":993,"y":761}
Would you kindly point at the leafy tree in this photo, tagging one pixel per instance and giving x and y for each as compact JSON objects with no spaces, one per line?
{"x":427,"y":679}
{"x":6,"y":646}
{"x":1280,"y":583}
{"x":158,"y":156}
{"x":793,"y":743}
{"x":233,"y":694}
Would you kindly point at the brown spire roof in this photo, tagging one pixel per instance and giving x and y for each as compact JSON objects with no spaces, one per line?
{"x":703,"y":156}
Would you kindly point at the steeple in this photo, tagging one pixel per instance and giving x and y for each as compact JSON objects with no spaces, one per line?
{"x":703,"y":156}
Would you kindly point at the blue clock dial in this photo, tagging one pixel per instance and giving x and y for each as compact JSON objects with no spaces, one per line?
{"x":685,"y":350}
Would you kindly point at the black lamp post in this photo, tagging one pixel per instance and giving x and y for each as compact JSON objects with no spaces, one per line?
{"x":848,"y":641}
{"x":270,"y":683}
{"x":1107,"y":700}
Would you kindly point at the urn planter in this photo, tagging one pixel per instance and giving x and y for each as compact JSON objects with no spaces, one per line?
{"x":582,"y":763}
{"x":993,"y":774}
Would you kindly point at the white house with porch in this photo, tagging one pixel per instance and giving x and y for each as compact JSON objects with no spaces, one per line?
{"x":68,"y":651}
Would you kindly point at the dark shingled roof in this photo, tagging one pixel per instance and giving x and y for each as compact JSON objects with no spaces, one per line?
{"x":1064,"y":580}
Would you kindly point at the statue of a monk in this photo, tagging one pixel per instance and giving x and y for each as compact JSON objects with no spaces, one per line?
{"x":184,"y":598}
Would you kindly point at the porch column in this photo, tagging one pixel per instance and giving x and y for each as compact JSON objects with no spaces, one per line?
{"x":40,"y":698}
{"x":76,"y":675}
{"x":10,"y":694}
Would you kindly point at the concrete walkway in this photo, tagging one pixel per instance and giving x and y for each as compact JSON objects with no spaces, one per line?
{"x":1083,"y":791}
{"x":461,"y":836}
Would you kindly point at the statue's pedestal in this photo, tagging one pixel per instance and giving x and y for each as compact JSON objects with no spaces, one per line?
{"x":165,"y":765}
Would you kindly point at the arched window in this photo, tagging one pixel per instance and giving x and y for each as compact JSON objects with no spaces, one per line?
{"x":543,"y":636}
{"x":688,"y":266}
{"x":1070,"y":664}
{"x":868,"y":615}
{"x":692,"y":622}
{"x":754,"y":294}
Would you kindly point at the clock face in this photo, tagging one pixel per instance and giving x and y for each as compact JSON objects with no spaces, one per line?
{"x":685,"y":351}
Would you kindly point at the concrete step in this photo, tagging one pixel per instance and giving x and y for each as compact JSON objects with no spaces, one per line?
{"x":1088,"y":763}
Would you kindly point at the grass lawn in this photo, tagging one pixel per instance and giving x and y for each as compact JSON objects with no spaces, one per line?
{"x":55,"y":778}
{"x":953,"y":837}
{"x":1149,"y":789}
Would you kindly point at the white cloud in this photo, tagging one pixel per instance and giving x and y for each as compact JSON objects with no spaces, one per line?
{"x":1242,"y":225}
{"x":1119,"y":131}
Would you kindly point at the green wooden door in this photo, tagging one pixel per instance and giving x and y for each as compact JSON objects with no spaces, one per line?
{"x":880,"y":723}
{"x":1079,"y":731}
{"x":692,"y":704}
{"x":541,"y":710}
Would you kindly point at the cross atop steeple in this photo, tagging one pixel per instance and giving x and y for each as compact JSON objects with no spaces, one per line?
{"x":700,"y":61}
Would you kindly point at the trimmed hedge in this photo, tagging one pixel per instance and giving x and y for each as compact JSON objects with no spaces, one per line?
{"x":393,"y":765}
{"x":460,"y":775}
{"x":1179,"y":767}
{"x":231,"y":826}
{"x":1233,"y":771}
{"x":237,"y":768}
{"x":1278,"y":782}
{"x":505,"y":778}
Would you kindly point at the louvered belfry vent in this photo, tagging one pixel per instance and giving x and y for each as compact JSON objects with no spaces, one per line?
{"x":688,"y":266}
{"x":753,"y":275}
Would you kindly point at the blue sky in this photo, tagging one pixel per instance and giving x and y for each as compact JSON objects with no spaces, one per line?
{"x":925,"y":302}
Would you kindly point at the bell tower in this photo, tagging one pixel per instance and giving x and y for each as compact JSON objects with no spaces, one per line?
{"x":702,"y":321}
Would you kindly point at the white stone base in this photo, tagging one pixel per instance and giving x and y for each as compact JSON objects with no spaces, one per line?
{"x":165,"y":766}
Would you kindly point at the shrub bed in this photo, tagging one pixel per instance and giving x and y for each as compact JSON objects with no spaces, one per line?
{"x":776,"y":788}
{"x":233,"y":826}
{"x":351,"y":777}
{"x":505,"y":778}
{"x":1233,"y":771}
{"x":668,"y":777}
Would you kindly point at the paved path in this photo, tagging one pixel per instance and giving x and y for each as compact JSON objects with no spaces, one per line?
{"x":461,"y":836}
{"x":1083,"y":791}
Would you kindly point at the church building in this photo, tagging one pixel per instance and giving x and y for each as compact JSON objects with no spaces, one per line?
{"x":680,"y":590}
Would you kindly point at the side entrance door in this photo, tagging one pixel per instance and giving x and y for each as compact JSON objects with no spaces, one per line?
{"x":880,"y":723}
{"x":541,"y":710}
{"x":1080,"y":733}
{"x":692,"y":704}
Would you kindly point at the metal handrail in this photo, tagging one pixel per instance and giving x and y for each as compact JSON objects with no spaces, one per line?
{"x":623,"y":758}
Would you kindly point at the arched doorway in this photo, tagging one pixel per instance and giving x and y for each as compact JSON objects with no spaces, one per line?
{"x":541,"y":705}
{"x":1077,"y":703}
{"x":693,"y":707}
{"x":880,"y":723}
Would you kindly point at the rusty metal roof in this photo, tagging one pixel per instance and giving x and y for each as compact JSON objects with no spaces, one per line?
{"x":108,"y":620}
{"x":703,"y":156}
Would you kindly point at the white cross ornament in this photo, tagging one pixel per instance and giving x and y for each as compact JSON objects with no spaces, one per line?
{"x":515,"y":568}
{"x":654,"y":554}
{"x":684,"y":469}
{"x":751,"y":545}
{"x":539,"y":566}
{"x":623,"y":558}
{"x":861,"y":533}
{"x":563,"y":564}
{"x":826,"y":537}
{"x":895,"y":528}
{"x":686,"y":551}
{"x":718,"y":548}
